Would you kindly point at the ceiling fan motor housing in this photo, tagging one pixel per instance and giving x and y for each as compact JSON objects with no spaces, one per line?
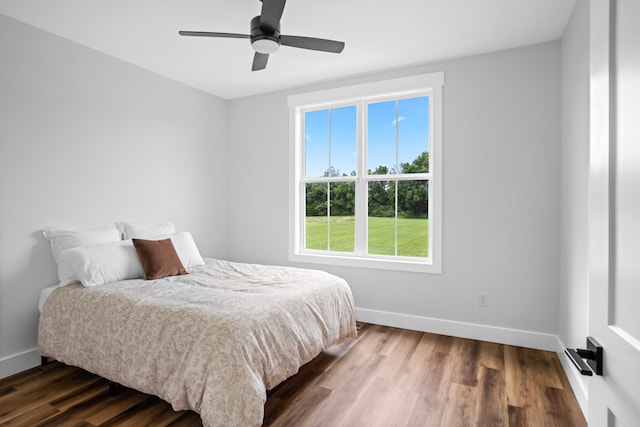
{"x":264,"y":40}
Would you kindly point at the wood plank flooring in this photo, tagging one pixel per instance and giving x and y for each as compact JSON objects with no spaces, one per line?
{"x":385,"y":377}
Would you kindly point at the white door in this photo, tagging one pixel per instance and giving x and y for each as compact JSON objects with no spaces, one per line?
{"x":614,"y":211}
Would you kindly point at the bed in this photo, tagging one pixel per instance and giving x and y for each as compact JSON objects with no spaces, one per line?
{"x":212,"y":341}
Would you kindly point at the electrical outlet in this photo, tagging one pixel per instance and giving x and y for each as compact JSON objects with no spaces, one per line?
{"x":483,"y":299}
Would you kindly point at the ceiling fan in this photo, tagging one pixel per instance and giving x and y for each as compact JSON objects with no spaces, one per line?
{"x":266,"y":38}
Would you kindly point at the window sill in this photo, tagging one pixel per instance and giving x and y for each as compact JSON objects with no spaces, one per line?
{"x":402,"y":264}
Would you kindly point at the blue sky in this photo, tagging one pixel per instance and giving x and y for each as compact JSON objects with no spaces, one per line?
{"x":413,"y":135}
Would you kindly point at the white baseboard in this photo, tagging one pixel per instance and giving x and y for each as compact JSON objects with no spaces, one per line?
{"x":454,"y":328}
{"x":577,"y":381}
{"x":15,"y":363}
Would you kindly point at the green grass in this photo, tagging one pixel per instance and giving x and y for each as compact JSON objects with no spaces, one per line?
{"x":342,"y":233}
{"x":412,"y":235}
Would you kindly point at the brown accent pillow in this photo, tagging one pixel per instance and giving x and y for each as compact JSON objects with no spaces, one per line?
{"x":158,"y":258}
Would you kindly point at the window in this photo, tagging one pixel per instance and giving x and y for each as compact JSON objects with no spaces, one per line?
{"x":366,"y":175}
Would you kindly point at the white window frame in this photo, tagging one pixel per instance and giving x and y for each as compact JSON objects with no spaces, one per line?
{"x":407,"y":87}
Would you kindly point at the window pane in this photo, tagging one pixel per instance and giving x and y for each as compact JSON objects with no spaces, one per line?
{"x":413,"y":218}
{"x":316,"y":129}
{"x":381,"y":221}
{"x":381,"y":134}
{"x":413,"y":135}
{"x":317,"y":217}
{"x":343,"y":141}
{"x":342,"y":225}
{"x":330,"y":142}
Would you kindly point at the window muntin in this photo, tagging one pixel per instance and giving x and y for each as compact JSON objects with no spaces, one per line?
{"x":330,"y":216}
{"x":363,"y":176}
{"x":398,"y":218}
{"x":397,"y":133}
{"x":330,"y":141}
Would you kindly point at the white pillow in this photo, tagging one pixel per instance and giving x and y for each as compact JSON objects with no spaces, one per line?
{"x":103,"y":263}
{"x":185,"y":247}
{"x":135,"y":230}
{"x":63,"y":239}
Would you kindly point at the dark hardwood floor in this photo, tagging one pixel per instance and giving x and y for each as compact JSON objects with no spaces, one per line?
{"x":385,"y":377}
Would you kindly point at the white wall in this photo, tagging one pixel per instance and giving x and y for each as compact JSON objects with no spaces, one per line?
{"x":574,"y":281}
{"x":86,"y":140}
{"x":501,"y":195}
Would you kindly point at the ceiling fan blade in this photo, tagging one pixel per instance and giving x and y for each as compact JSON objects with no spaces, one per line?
{"x":312,"y":43}
{"x":271,"y":14}
{"x":259,"y":61}
{"x":210,"y":34}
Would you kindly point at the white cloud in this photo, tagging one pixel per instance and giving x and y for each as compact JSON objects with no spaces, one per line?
{"x":399,"y":119}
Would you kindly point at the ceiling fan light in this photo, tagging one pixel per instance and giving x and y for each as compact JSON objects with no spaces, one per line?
{"x":265,"y":45}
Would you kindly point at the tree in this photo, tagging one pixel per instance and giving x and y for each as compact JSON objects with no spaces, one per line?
{"x":331,"y":172}
{"x":343,"y":199}
{"x":412,"y":195}
{"x":413,"y":199}
{"x":316,"y":199}
{"x":419,"y":165}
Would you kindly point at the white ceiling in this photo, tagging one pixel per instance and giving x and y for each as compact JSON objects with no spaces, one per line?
{"x":379,"y":35}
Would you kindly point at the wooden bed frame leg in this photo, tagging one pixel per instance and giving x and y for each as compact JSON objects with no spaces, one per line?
{"x":44,"y":360}
{"x":112,"y":388}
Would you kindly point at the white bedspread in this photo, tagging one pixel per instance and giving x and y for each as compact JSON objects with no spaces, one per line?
{"x":212,"y":341}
